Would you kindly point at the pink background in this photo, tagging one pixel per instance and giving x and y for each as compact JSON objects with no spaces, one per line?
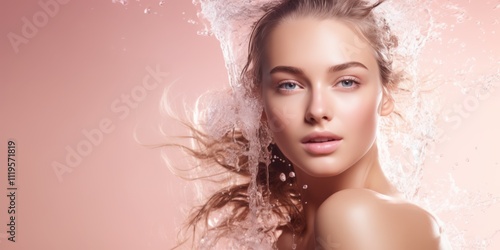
{"x":73,"y":74}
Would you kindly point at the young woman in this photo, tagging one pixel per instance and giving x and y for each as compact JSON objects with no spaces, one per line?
{"x":318,"y":78}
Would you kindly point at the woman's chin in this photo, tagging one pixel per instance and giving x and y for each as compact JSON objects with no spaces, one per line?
{"x":324,"y":172}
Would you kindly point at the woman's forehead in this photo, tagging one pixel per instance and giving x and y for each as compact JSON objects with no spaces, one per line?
{"x":311,"y":41}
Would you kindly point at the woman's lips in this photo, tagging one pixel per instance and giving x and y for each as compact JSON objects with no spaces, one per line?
{"x":321,"y":147}
{"x":321,"y":143}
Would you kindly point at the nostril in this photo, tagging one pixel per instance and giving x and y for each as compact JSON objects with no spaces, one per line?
{"x":311,"y":118}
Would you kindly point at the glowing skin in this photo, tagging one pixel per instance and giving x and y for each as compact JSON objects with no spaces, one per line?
{"x":345,"y":101}
{"x":323,"y":97}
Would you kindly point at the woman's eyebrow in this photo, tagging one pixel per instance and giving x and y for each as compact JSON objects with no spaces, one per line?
{"x":340,"y":67}
{"x":332,"y":69}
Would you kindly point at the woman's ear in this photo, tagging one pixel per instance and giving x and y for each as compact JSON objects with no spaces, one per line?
{"x":387,"y":105}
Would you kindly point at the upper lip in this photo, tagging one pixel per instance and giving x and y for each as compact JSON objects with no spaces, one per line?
{"x":322,"y":135}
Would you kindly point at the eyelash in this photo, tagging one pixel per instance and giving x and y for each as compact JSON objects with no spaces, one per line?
{"x":354,"y":81}
{"x":282,"y":84}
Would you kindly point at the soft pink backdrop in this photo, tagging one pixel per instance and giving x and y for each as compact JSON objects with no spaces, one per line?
{"x":72,"y":74}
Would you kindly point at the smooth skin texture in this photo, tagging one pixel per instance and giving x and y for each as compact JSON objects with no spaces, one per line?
{"x":364,"y":219}
{"x":321,"y":76}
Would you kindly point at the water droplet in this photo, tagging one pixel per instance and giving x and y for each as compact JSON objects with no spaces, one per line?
{"x":191,"y":21}
{"x":282,"y":177}
{"x":161,"y":3}
{"x":291,"y":174}
{"x":123,"y":2}
{"x":147,"y":10}
{"x":287,"y":217}
{"x":205,"y":33}
{"x":305,"y":202}
{"x":305,"y":186}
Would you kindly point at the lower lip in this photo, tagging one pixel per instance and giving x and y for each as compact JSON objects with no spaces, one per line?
{"x":322,"y":148}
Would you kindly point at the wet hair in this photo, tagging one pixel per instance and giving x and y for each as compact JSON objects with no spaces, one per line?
{"x":234,"y":199}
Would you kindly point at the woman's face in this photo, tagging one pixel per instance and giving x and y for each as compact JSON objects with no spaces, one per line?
{"x":322,"y":94}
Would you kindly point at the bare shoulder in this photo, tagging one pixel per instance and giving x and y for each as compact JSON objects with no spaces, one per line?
{"x":365,"y":219}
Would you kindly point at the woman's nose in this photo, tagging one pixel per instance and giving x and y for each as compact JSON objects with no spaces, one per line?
{"x":319,"y":108}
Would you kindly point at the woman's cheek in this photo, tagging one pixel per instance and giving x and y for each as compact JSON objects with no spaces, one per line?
{"x":281,"y":116}
{"x":360,"y":114}
{"x":276,"y":123}
{"x":367,"y":119}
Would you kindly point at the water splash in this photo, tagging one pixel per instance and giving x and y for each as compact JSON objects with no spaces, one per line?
{"x":404,"y":144}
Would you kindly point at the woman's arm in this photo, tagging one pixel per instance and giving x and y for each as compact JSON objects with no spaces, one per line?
{"x":361,"y":219}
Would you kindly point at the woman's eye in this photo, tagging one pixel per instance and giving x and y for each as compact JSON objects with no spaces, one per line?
{"x":348,"y":83}
{"x":288,"y":86}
